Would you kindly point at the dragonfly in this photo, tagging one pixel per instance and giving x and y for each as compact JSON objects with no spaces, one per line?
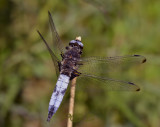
{"x":72,"y":65}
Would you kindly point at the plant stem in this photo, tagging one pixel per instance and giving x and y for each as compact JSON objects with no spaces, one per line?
{"x":71,"y":103}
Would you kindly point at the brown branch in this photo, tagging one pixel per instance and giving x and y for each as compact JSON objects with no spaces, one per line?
{"x":71,"y":103}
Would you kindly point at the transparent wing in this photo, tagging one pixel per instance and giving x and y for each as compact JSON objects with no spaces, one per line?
{"x":54,"y":58}
{"x":111,"y":84}
{"x":102,"y":65}
{"x":56,"y":39}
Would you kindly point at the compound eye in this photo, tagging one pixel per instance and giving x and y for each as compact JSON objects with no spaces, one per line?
{"x":72,"y":42}
{"x":76,"y":43}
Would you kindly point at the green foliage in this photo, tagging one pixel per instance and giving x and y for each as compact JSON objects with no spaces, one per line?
{"x":108,"y":28}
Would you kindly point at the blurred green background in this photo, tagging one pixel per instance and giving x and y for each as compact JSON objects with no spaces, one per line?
{"x":108,"y":28}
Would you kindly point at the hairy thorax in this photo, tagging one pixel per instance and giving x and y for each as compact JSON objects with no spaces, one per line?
{"x":69,"y":63}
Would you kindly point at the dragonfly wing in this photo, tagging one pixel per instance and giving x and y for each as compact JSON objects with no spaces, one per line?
{"x":103,"y":65}
{"x":111,"y":84}
{"x":54,"y":58}
{"x":56,"y":39}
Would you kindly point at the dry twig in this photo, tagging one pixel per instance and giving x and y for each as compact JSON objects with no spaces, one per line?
{"x":71,"y":103}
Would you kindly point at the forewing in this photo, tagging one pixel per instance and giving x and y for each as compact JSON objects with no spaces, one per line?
{"x":54,"y":58}
{"x":111,"y":84}
{"x":55,"y":37}
{"x":103,"y":65}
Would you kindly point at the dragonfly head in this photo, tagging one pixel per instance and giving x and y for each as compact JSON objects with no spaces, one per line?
{"x":76,"y":42}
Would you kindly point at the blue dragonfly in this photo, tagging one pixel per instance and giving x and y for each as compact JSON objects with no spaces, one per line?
{"x":72,"y":65}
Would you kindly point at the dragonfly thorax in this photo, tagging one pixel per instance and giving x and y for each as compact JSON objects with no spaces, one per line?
{"x":69,"y":63}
